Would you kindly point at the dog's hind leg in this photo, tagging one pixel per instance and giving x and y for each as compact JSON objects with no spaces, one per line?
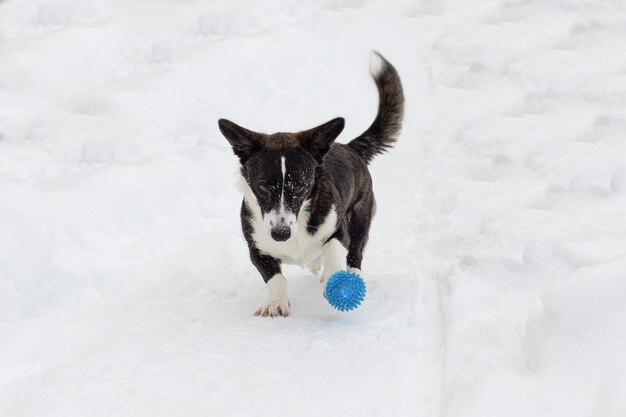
{"x":358,"y":229}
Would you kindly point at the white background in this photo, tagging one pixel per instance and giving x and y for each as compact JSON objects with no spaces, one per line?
{"x":496,"y":268}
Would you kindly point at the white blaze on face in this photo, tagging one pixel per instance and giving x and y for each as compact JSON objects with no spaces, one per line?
{"x":282,"y":190}
{"x":281,"y":217}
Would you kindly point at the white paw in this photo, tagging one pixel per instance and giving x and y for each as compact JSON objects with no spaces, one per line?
{"x":355,"y":270}
{"x":277,"y":303}
{"x":315,"y":266}
{"x":273,"y":308}
{"x":324,"y":280}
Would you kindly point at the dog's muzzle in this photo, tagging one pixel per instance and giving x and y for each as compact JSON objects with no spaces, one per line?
{"x":281,"y":226}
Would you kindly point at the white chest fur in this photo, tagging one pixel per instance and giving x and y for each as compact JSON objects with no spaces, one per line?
{"x":302,"y":247}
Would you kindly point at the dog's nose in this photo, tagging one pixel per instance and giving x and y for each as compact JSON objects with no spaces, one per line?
{"x":281,"y":233}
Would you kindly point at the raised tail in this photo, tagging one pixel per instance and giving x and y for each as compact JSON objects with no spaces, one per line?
{"x":383,"y":132}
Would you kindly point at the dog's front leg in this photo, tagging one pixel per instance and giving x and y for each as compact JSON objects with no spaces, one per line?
{"x":277,"y":303}
{"x":334,"y":254}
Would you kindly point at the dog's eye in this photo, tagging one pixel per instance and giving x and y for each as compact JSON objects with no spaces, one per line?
{"x":265,"y":188}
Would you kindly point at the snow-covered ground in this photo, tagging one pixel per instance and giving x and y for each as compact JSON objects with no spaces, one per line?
{"x":496,"y":268}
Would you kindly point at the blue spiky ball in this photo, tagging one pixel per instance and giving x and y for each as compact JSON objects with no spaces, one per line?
{"x":345,"y":290}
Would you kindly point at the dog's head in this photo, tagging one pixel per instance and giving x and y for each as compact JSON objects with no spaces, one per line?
{"x":281,"y":169}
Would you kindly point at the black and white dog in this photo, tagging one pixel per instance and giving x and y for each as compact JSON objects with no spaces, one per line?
{"x":309,"y":201}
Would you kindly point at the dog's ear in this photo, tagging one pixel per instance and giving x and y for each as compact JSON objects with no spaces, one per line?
{"x":245,"y":142}
{"x":318,"y":140}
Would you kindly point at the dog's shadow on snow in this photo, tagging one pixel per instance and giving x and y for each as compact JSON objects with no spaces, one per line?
{"x":308,"y":305}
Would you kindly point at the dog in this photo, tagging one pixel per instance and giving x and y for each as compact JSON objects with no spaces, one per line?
{"x":307,"y":200}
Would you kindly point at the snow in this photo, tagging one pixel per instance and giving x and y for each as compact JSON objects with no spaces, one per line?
{"x":495,"y":269}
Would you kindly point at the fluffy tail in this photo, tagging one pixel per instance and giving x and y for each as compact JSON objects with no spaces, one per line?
{"x":383,"y":133}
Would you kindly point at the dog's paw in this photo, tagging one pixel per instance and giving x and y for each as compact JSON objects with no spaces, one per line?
{"x":324,"y":281}
{"x":326,"y":274}
{"x":315,"y":266}
{"x":273,"y":308}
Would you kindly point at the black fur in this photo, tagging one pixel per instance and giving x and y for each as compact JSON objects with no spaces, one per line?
{"x":266,"y":265}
